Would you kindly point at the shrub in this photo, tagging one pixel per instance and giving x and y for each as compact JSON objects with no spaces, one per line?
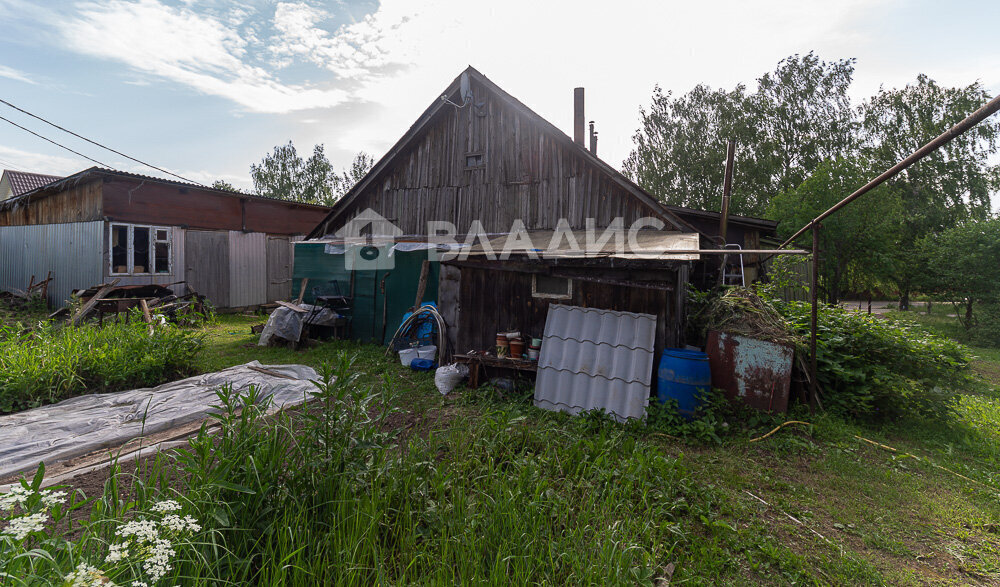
{"x":986,"y":331}
{"x":50,"y":363}
{"x":875,"y":368}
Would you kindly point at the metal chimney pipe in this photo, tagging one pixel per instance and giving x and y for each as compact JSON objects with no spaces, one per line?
{"x":593,"y":139}
{"x":578,"y":118}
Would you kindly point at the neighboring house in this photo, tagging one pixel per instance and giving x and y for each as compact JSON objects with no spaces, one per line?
{"x":15,"y":183}
{"x":478,"y":155}
{"x":98,"y":225}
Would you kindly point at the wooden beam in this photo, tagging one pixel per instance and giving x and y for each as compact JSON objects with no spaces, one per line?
{"x":87,"y":307}
{"x":302,"y":291}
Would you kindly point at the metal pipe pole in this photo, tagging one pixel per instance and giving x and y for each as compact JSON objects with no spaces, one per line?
{"x":970,"y":121}
{"x":814,"y":294}
{"x":727,"y":190}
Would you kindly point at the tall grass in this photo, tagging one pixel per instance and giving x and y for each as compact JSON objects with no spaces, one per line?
{"x":336,"y":496}
{"x":51,"y":363}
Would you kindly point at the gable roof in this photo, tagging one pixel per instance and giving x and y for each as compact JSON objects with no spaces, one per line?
{"x":22,"y":182}
{"x":669,"y":217}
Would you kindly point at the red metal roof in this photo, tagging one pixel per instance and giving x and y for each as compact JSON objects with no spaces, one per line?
{"x":21,"y":182}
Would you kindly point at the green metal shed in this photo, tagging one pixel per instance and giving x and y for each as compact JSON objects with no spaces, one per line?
{"x":380,"y":293}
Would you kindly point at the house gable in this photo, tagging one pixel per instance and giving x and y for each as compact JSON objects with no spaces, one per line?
{"x":492,"y":160}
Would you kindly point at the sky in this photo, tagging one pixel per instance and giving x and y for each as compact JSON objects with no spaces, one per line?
{"x":206,"y":88}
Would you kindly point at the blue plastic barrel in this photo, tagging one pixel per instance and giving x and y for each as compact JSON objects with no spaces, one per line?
{"x":683,"y":375}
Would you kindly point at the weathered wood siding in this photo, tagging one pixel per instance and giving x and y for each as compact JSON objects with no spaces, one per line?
{"x":527,"y":174}
{"x":492,"y":301}
{"x":81,"y":203}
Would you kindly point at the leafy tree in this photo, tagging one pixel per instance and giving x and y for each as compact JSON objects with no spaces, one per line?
{"x":799,"y":115}
{"x":857,"y":241}
{"x":950,"y":185}
{"x":360,"y":166}
{"x":285,"y":175}
{"x":220,"y":184}
{"x":964,"y":266}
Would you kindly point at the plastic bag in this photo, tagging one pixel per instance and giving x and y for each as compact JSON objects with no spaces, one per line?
{"x":447,"y":377}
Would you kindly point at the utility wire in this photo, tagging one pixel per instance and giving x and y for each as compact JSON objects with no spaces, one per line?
{"x":55,"y":143}
{"x":98,"y":144}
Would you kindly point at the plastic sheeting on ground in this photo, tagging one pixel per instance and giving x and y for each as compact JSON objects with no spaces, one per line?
{"x":89,"y":423}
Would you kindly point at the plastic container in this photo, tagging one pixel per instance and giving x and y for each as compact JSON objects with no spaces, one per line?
{"x":684,"y":376}
{"x":419,"y":364}
{"x":427,"y":352}
{"x":407,"y":355}
{"x":532,"y":354}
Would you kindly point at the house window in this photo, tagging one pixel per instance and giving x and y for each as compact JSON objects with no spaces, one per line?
{"x":553,"y":288}
{"x":473,"y":160}
{"x":139,"y":250}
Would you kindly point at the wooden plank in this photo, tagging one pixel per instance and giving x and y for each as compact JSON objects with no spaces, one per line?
{"x":422,"y":283}
{"x":87,"y":307}
{"x":292,"y":306}
{"x":302,"y":291}
{"x":146,"y":316}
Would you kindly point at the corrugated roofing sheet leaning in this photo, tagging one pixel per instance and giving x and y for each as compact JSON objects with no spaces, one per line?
{"x":596,"y":359}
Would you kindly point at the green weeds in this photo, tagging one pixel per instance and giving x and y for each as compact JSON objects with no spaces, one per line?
{"x":51,"y":363}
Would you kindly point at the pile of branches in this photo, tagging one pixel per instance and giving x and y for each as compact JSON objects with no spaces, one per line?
{"x":742,"y":312}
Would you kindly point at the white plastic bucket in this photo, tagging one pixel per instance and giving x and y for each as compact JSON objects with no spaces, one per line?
{"x":407,"y":355}
{"x":427,"y":352}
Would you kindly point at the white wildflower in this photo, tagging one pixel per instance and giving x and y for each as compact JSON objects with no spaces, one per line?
{"x":51,"y":498}
{"x":21,"y":526}
{"x":157,"y":564}
{"x":142,"y":530}
{"x":17,"y":496}
{"x":140,"y":584}
{"x":88,"y":576}
{"x":117,"y":552}
{"x":168,"y":505}
{"x":178,"y":524}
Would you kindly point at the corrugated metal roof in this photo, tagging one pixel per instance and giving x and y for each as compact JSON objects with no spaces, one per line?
{"x":21,"y":182}
{"x":550,"y":244}
{"x":596,"y":359}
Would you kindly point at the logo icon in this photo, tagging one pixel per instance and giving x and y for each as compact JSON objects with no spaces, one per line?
{"x":368,"y":241}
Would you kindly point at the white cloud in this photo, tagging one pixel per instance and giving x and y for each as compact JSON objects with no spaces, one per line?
{"x":32,"y":162}
{"x":539,"y":51}
{"x":185,"y":47}
{"x":352,"y":51}
{"x":14,"y":74}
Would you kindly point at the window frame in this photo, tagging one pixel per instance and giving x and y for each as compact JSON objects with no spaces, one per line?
{"x":482,"y":160}
{"x":551,"y":296}
{"x":130,"y":249}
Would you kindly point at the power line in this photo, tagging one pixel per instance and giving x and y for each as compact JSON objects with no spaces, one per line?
{"x":65,"y":130}
{"x":55,"y":143}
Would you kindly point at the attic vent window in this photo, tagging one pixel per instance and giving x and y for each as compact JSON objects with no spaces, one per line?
{"x":473,"y":160}
{"x":553,"y":288}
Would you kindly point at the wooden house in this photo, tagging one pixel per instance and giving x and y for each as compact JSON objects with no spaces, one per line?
{"x":98,"y":225}
{"x":482,"y":161}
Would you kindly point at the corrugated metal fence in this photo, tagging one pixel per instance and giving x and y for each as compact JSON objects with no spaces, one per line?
{"x":72,"y":252}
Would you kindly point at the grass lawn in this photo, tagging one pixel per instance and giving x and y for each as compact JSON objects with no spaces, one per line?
{"x":578,"y":497}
